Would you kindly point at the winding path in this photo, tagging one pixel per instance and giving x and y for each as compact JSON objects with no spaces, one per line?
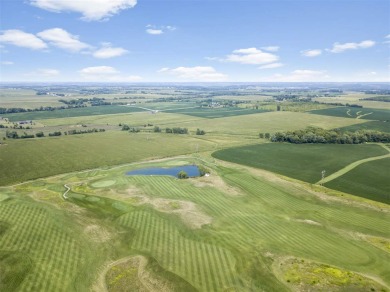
{"x":351,"y":166}
{"x":67,"y":190}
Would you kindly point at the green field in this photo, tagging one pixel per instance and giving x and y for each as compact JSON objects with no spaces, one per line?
{"x":300,"y":161}
{"x":372,"y":125}
{"x":74,"y":112}
{"x":260,"y":223}
{"x":212,"y":113}
{"x":57,"y":155}
{"x":368,"y":180}
{"x":356,"y":113}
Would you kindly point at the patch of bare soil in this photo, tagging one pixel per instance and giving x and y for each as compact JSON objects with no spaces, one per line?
{"x":216,"y":182}
{"x":188,"y":212}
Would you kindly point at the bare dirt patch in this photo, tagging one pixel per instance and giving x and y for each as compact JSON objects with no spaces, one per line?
{"x":97,"y":233}
{"x":308,"y":221}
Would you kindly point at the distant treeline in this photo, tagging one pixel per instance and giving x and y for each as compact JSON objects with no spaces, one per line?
{"x":340,"y":104}
{"x":384,"y":98}
{"x":321,"y":136}
{"x":15,"y":135}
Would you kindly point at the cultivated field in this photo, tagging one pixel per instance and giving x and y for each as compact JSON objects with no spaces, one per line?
{"x":355,"y":113}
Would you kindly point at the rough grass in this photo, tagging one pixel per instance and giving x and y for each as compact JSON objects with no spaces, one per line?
{"x":356,"y":113}
{"x":300,"y":161}
{"x":231,"y":253}
{"x":368,"y":180}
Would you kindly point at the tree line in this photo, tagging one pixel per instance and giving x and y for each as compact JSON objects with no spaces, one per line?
{"x":321,"y":136}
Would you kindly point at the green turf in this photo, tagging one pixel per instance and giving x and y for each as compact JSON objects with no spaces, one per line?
{"x":368,"y":180}
{"x":353,"y":112}
{"x":373,"y":125}
{"x":74,"y":112}
{"x":300,"y":161}
{"x":212,"y":113}
{"x":233,"y":253}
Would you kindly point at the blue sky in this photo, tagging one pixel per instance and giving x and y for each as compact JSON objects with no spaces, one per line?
{"x":199,"y":40}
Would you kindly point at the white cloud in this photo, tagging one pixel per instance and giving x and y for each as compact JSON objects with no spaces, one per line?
{"x":271,"y":66}
{"x":106,"y":73}
{"x":311,"y":53}
{"x":90,"y":9}
{"x":271,"y":48}
{"x":251,"y":56}
{"x":388,"y":36}
{"x":300,"y":76}
{"x":154,"y":31}
{"x":7,"y":63}
{"x":22,"y":39}
{"x":197,"y":73}
{"x":109,"y":52}
{"x":62,"y":39}
{"x":338,"y":48}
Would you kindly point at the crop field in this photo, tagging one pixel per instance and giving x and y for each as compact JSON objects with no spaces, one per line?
{"x":57,"y":155}
{"x":300,"y":161}
{"x":356,"y":113}
{"x":212,"y":113}
{"x":223,"y":232}
{"x":368,"y":180}
{"x":380,"y":126}
{"x":74,"y":112}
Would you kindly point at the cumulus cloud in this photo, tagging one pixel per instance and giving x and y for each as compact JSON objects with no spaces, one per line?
{"x":300,"y":76}
{"x":271,"y":48}
{"x":271,"y":66}
{"x":338,"y":48}
{"x":156,"y":30}
{"x":60,"y":38}
{"x":109,"y":52}
{"x":91,"y":10}
{"x":251,"y":56}
{"x":106,"y":73}
{"x":197,"y":73}
{"x":22,"y":39}
{"x":311,"y":53}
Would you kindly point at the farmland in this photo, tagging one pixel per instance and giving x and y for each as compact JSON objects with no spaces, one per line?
{"x":355,"y":113}
{"x":72,"y":220}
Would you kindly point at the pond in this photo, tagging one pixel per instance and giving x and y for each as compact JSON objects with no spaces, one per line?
{"x":191,"y":170}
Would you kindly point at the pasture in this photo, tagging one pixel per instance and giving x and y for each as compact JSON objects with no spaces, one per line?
{"x":254,"y":222}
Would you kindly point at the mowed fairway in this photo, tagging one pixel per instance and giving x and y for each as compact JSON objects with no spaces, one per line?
{"x":300,"y":161}
{"x":369,"y":180}
{"x":253,"y":226}
{"x":21,"y":160}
